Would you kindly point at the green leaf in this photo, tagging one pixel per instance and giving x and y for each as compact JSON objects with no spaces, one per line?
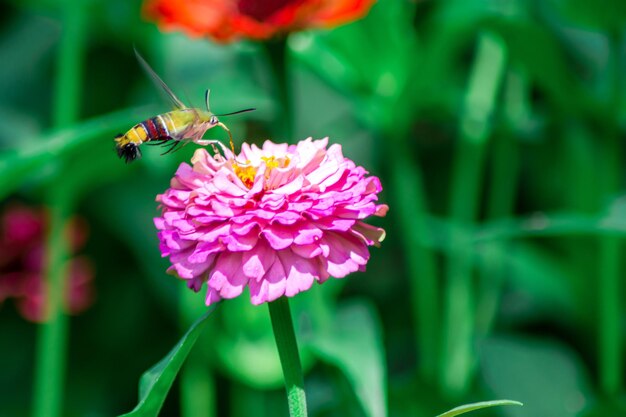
{"x":547,"y":375}
{"x":31,"y":158}
{"x":371,"y":62}
{"x":157,"y":381}
{"x":245,"y":345}
{"x":603,"y":15}
{"x":353,"y":345}
{"x":477,"y":406}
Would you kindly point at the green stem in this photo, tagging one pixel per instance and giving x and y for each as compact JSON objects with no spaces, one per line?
{"x":246,"y":401}
{"x":197,"y":385}
{"x":277,"y":53}
{"x":69,"y":74}
{"x":197,"y":388}
{"x":287,"y":345}
{"x":501,"y":198}
{"x":610,"y":323}
{"x":51,"y":347}
{"x":480,"y":99}
{"x":500,"y":205}
{"x":412,"y":212}
{"x":50,"y":361}
{"x":610,"y":337}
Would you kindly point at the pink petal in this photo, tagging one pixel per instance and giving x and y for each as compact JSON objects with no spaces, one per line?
{"x":238,"y":243}
{"x":307,"y":251}
{"x":279,"y":237}
{"x":381,"y":210}
{"x":301,"y":273}
{"x":373,"y":235}
{"x":307,"y":233}
{"x":292,"y":187}
{"x":346,"y":255}
{"x":256,"y":263}
{"x":212,"y":296}
{"x":271,"y":287}
{"x":227,"y":277}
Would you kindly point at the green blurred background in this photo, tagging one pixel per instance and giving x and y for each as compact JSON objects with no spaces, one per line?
{"x":497,"y":130}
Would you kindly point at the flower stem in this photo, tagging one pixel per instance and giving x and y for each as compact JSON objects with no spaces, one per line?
{"x":475,"y":129}
{"x":197,"y":383}
{"x":610,"y":275}
{"x":50,"y":360}
{"x":277,"y":53}
{"x":50,"y":357}
{"x":289,"y":359}
{"x":501,"y":201}
{"x":412,"y":215}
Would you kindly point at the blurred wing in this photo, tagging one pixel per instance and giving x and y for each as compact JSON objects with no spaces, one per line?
{"x":159,"y":82}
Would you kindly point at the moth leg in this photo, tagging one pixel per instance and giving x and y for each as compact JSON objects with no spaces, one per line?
{"x":206,"y":142}
{"x":212,"y":142}
{"x":172,"y":148}
{"x":160,"y":141}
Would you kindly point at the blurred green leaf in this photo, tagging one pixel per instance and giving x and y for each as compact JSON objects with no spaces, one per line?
{"x":533,"y":47}
{"x":608,"y":15}
{"x":245,"y":346}
{"x":477,"y":406}
{"x":372,"y":61}
{"x":354,"y":345}
{"x":157,"y":381}
{"x":546,"y":375}
{"x":538,"y":275}
{"x":539,"y":224}
{"x":19,"y":163}
{"x":245,"y":343}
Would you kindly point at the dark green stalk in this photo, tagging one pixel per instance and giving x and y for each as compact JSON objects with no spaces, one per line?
{"x":277,"y":53}
{"x":500,"y":200}
{"x":69,"y":66}
{"x":480,"y":99}
{"x":197,"y":388}
{"x":50,"y":359}
{"x":287,"y":345}
{"x":51,"y":351}
{"x":197,"y":384}
{"x":610,"y":324}
{"x":246,"y":401}
{"x":411,"y":212}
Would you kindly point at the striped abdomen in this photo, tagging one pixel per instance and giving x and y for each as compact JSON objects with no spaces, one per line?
{"x":155,"y":128}
{"x":158,"y":128}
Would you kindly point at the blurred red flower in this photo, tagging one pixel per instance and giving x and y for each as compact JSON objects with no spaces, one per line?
{"x":230,"y":20}
{"x":22,"y":233}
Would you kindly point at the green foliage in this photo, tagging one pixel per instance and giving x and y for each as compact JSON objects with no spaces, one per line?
{"x":526,"y":365}
{"x":497,"y":131}
{"x":157,"y":381}
{"x":477,"y":406}
{"x":353,"y":344}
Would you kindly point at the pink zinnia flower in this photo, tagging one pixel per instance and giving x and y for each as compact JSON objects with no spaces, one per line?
{"x":275,"y":219}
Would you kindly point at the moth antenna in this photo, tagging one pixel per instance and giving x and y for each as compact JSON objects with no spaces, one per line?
{"x":237,"y":112}
{"x":207,"y":93}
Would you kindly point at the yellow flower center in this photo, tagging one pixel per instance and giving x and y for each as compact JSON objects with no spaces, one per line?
{"x":272,"y":162}
{"x":247,"y":172}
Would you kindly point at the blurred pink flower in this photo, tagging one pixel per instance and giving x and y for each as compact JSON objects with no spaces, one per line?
{"x":22,"y":233}
{"x":275,"y":219}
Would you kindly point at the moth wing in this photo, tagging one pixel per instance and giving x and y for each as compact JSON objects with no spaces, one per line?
{"x":160,"y":83}
{"x":191,"y":119}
